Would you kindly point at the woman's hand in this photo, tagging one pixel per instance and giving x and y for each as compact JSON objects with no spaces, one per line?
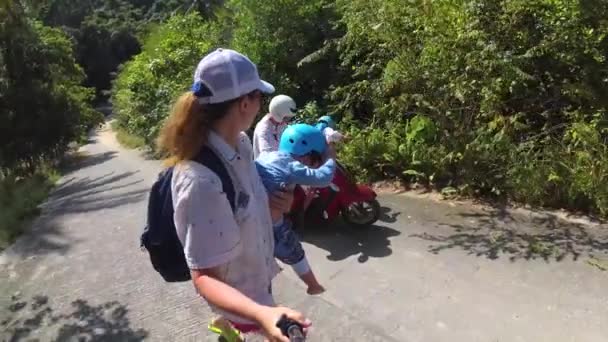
{"x":281,"y":201}
{"x":268,"y":317}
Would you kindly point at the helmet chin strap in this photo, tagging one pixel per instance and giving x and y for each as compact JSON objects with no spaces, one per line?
{"x":275,"y":121}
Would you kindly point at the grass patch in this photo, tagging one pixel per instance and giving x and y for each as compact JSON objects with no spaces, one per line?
{"x":19,"y":200}
{"x":599,"y":264}
{"x":127,"y":139}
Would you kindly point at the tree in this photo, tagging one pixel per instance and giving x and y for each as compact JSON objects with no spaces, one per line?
{"x":279,"y":35}
{"x":107,"y":32}
{"x":148,"y":84}
{"x":43,"y":105}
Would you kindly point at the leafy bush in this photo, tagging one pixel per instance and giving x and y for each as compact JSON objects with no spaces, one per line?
{"x":488,"y":98}
{"x":404,"y":150}
{"x":570,"y":172}
{"x":465,"y":62}
{"x":282,"y":39}
{"x":309,"y":113}
{"x":19,"y":199}
{"x":507,"y":84}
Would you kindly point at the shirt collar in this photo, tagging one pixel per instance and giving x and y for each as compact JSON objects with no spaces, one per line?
{"x":221,"y":146}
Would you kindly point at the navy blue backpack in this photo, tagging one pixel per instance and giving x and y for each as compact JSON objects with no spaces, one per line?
{"x":159,"y":237}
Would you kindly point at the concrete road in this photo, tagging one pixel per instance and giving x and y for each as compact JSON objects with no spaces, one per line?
{"x":428,"y":271}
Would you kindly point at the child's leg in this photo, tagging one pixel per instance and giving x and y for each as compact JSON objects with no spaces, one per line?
{"x":288,"y":249}
{"x":303,"y":270}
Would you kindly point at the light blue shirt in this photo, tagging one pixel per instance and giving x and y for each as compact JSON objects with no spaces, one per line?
{"x":279,"y":169}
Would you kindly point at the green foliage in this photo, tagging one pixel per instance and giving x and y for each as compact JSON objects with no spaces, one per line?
{"x":19,"y":200}
{"x":43,"y":106}
{"x":147,"y":85}
{"x":104,"y":32}
{"x":127,"y":139}
{"x":277,"y":37}
{"x":107,"y":32}
{"x":404,"y":151}
{"x":507,"y":84}
{"x":572,"y":171}
{"x":481,"y":97}
{"x":309,"y":113}
{"x":281,"y":36}
{"x":105,"y":39}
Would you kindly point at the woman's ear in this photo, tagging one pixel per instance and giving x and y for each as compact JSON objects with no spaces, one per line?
{"x":244,"y":104}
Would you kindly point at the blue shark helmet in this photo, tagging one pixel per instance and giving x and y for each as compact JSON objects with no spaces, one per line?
{"x":302,"y":139}
{"x":326,"y":121}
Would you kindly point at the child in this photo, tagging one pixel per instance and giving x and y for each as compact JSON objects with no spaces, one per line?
{"x":301,"y":147}
{"x":268,"y":130}
{"x":327,"y":125}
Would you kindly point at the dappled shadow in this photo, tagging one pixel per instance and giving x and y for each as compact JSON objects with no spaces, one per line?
{"x":498,"y":233}
{"x":342,"y":240}
{"x":89,"y":194}
{"x":46,"y":234}
{"x":81,"y":160}
{"x":74,"y":188}
{"x":33,"y":319}
{"x":388,"y":215}
{"x":43,"y":237}
{"x":77,"y":194}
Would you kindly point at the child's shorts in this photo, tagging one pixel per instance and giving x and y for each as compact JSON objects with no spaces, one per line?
{"x":287,"y":245}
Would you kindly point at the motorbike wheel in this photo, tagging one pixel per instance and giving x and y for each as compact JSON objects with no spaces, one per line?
{"x":361,"y":214}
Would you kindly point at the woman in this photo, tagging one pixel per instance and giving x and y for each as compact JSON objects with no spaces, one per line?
{"x":230,"y":254}
{"x":268,"y":130}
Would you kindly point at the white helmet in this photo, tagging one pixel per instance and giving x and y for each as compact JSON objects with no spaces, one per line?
{"x":281,"y":107}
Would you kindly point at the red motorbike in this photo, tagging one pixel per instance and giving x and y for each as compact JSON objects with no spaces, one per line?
{"x":356,"y":203}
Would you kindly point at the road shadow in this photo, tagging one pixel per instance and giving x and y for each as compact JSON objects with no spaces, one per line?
{"x":497,"y":233}
{"x":105,"y":108}
{"x":342,"y":240}
{"x":77,"y":195}
{"x":388,"y":215}
{"x":44,"y":236}
{"x":27,"y":320}
{"x":81,"y":160}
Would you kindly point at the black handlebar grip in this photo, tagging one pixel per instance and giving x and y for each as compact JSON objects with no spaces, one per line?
{"x":291,"y":329}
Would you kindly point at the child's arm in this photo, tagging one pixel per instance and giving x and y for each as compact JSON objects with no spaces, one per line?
{"x":304,"y":175}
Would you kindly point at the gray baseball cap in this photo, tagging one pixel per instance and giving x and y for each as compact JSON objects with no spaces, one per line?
{"x":225,"y":75}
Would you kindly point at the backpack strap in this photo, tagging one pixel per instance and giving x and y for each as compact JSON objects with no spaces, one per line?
{"x":211,"y":160}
